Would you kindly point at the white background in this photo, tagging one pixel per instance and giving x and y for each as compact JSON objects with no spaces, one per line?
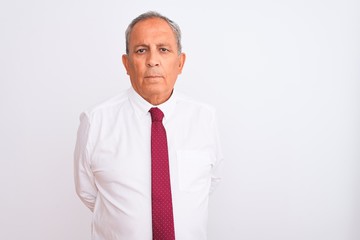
{"x":284,"y":76}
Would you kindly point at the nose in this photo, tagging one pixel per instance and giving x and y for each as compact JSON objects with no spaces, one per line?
{"x":152,"y":59}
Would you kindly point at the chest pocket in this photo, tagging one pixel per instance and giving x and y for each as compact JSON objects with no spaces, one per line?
{"x":194,"y":170}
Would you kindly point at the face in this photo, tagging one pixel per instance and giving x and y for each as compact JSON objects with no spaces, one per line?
{"x":153,"y":62}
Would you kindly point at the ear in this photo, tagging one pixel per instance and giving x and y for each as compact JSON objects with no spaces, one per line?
{"x":182,"y":58}
{"x":125,"y":60}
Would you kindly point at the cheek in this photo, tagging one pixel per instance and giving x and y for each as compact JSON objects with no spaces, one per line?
{"x":175,"y":69}
{"x":172,"y":67}
{"x":134,"y":70}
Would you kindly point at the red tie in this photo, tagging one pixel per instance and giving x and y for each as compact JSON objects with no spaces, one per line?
{"x":162,"y":212}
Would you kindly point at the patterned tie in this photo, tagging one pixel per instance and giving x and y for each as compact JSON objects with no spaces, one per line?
{"x":162,"y":212}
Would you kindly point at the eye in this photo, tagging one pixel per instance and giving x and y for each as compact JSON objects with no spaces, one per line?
{"x":164,"y":49}
{"x":141,"y":50}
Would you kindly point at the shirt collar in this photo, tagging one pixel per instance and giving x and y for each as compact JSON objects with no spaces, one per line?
{"x":142,"y":107}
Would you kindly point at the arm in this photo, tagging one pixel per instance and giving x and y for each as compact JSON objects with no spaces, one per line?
{"x":84,"y":178}
{"x":216,"y":173}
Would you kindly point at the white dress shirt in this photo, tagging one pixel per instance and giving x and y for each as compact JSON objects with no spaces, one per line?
{"x":113,"y":165}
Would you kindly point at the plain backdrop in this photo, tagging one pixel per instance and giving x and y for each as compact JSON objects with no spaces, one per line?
{"x":283,"y":75}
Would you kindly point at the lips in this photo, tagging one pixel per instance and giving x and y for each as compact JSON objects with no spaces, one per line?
{"x":153,"y":76}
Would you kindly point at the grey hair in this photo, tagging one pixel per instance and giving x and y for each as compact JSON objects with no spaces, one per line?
{"x":152,"y":14}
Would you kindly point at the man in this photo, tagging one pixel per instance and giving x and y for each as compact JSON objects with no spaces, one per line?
{"x":147,"y":159}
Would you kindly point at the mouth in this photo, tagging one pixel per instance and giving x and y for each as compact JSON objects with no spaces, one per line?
{"x":153,"y":79}
{"x":153,"y":76}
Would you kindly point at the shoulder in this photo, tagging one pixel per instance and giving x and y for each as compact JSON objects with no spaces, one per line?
{"x":189,"y":101}
{"x":194,"y":106}
{"x":107,"y":106}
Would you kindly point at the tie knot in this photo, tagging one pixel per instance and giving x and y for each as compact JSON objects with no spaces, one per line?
{"x":156,"y":114}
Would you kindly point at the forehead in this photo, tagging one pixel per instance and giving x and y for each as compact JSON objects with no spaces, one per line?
{"x":152,"y":29}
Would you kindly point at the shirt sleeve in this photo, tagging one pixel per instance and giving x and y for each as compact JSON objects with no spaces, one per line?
{"x":84,"y":178}
{"x":217,"y":172}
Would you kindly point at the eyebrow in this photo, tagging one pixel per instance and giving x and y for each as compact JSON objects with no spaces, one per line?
{"x":141,"y":45}
{"x":147,"y":45}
